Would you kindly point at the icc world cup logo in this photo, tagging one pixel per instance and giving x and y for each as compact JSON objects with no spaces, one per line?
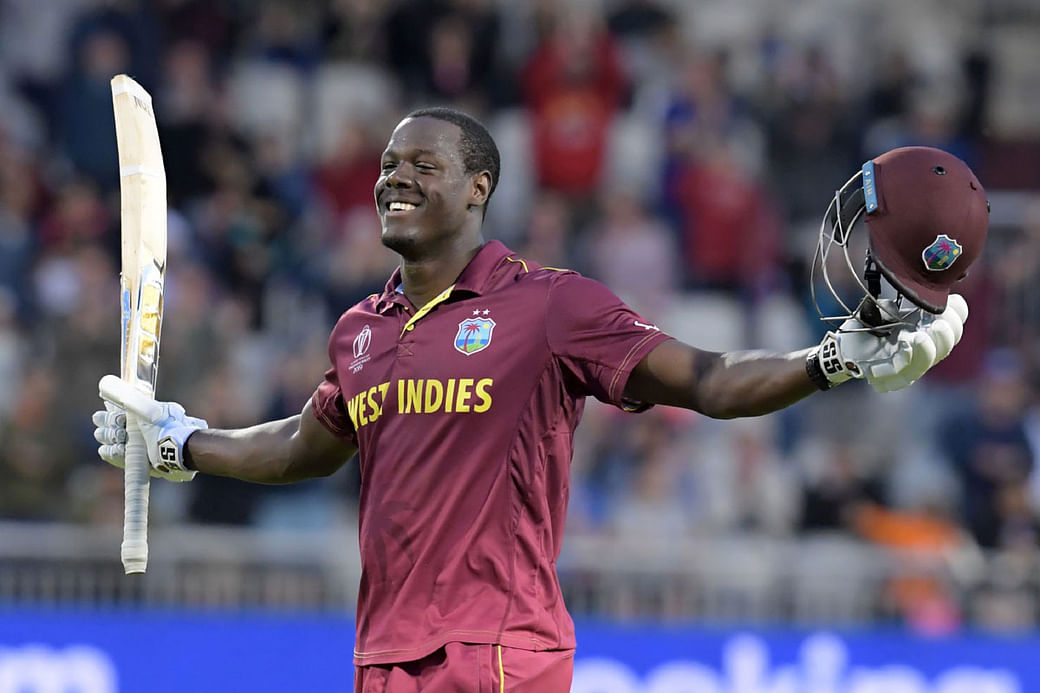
{"x":362,"y":341}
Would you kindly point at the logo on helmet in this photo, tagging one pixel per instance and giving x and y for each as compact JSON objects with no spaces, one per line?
{"x":942,"y":253}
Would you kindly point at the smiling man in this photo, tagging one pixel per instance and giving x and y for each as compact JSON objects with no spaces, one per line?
{"x":460,"y":387}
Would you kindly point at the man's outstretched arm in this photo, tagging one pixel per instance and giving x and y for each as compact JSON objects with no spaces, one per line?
{"x":275,"y":452}
{"x":723,"y":386}
{"x":751,"y":383}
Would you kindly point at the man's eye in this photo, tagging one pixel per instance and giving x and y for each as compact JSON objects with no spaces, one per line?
{"x":423,"y":166}
{"x":389,"y":165}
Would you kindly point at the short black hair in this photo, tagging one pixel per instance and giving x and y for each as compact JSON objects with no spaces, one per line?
{"x":477,"y":147}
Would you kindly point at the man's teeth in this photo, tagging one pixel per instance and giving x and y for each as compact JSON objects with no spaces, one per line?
{"x":401,"y":206}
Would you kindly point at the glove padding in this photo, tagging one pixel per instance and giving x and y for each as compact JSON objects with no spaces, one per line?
{"x":947,"y":328}
{"x":164,"y":425}
{"x":110,"y":431}
{"x":891,"y":361}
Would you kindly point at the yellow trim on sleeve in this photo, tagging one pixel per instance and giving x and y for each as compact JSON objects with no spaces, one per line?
{"x":501,"y":673}
{"x":544,"y":267}
{"x":520,"y":260}
{"x":419,"y":314}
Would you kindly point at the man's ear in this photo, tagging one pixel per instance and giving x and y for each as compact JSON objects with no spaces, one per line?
{"x":481,"y":189}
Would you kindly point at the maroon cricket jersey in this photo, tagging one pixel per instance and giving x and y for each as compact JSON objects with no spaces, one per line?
{"x":464,"y":413}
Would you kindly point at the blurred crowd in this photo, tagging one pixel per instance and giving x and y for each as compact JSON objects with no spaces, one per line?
{"x":681,"y":152}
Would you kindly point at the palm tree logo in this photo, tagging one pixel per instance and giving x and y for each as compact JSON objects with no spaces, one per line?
{"x":474,"y":335}
{"x":941,"y":253}
{"x":470,"y":330}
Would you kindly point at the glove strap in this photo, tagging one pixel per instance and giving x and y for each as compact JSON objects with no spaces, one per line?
{"x":172,"y":452}
{"x":815,"y":373}
{"x":831,"y":363}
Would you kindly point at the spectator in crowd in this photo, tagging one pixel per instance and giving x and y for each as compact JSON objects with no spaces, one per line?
{"x":573,"y":87}
{"x":354,"y":263}
{"x":890,"y":94}
{"x":187,"y":111}
{"x":988,"y":447}
{"x":353,"y":31}
{"x":922,"y":544}
{"x":645,"y":473}
{"x":648,"y":37}
{"x":546,"y":238}
{"x":79,"y":329}
{"x":841,"y":482}
{"x":446,"y":50}
{"x":218,"y":500}
{"x":653,"y":505}
{"x":812,"y":140}
{"x":730,"y":227}
{"x":1005,"y":600}
{"x":36,"y":465}
{"x":21,"y":195}
{"x":703,"y":114}
{"x":633,"y":252}
{"x":1018,"y":525}
{"x":1017,"y":284}
{"x":639,"y":18}
{"x":13,"y":349}
{"x":746,"y":485}
{"x":703,"y":111}
{"x":85,"y":118}
{"x":342,"y":178}
{"x":77,"y":216}
{"x":285,"y":34}
{"x":214,"y":25}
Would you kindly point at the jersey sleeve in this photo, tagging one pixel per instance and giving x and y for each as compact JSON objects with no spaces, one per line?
{"x":327,"y":403}
{"x":597,"y":339}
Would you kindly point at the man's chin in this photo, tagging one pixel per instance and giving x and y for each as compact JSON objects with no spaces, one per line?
{"x":404,"y":243}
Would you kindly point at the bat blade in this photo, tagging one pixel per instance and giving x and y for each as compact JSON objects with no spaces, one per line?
{"x":142,"y":276}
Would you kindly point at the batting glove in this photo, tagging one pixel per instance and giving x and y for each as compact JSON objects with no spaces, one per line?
{"x":164,"y":425}
{"x":896,"y":358}
{"x":944,"y":331}
{"x":947,"y":328}
{"x":110,"y":431}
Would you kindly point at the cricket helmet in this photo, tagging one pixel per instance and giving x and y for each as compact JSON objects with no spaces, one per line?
{"x":926,"y":218}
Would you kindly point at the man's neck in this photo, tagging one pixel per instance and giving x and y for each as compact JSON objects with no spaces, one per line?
{"x":422,"y":279}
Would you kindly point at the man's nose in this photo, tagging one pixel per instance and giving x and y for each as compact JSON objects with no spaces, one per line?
{"x":399,"y":177}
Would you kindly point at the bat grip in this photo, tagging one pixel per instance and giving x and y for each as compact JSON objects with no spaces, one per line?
{"x":134,"y":551}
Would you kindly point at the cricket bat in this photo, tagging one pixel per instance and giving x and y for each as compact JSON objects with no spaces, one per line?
{"x":142,"y":190}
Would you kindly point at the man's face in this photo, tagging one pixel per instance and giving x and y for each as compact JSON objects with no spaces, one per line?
{"x":423,"y":194}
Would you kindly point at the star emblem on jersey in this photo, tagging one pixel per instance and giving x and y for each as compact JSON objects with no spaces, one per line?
{"x":942,"y":253}
{"x":474,"y":335}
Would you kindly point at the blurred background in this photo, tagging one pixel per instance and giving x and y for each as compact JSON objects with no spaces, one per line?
{"x":683,"y":152}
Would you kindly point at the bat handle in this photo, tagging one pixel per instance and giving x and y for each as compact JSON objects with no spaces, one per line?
{"x":129,"y":398}
{"x":134,"y":551}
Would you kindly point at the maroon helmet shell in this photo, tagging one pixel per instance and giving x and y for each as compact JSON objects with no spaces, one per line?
{"x":930,"y":223}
